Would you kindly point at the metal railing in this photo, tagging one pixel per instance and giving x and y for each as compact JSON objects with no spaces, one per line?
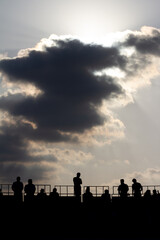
{"x":65,"y":190}
{"x":96,"y":190}
{"x":145,"y":188}
{"x":151,"y":188}
{"x":68,"y":190}
{"x":7,"y":188}
{"x":46,"y":187}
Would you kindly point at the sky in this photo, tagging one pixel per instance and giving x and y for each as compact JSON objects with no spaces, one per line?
{"x":80,"y":91}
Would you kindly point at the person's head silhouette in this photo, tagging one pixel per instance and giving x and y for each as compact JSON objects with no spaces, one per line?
{"x":78,"y":174}
{"x":18,"y":179}
{"x":87,"y":189}
{"x":29,"y":181}
{"x":42,"y":191}
{"x":122,"y":181}
{"x":106,"y":192}
{"x":54,"y":190}
{"x":134,"y":180}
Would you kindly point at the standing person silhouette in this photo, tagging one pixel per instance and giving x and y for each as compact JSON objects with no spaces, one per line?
{"x":17,"y":188}
{"x":136,"y":188}
{"x":30,"y":190}
{"x":77,"y":185}
{"x":123,"y":189}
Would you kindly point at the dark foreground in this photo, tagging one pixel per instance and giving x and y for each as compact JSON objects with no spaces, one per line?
{"x":68,"y":219}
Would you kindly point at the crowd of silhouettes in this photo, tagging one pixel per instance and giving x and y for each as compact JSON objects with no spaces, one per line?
{"x":123,"y":191}
{"x":129,"y":206}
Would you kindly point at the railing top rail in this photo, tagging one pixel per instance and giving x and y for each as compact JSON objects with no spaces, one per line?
{"x":43,"y":185}
{"x":96,"y":186}
{"x":150,"y":185}
{"x":5,"y":184}
{"x":36,"y":184}
{"x":153,"y":185}
{"x":62,"y":185}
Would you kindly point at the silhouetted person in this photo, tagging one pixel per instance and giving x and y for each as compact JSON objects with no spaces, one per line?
{"x":155,"y":195}
{"x":54,"y":194}
{"x":30,"y":190}
{"x":1,"y":194}
{"x":87,"y":196}
{"x":17,"y":188}
{"x":106,"y":199}
{"x":123,"y":189}
{"x":147,"y":193}
{"x":42,"y":195}
{"x":1,"y":197}
{"x":77,"y":185}
{"x":136,"y":188}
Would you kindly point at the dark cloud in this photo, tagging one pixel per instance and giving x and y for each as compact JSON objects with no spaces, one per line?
{"x":145,"y":44}
{"x":14,"y":144}
{"x":16,"y":158}
{"x":65,"y":74}
{"x":72,"y":95}
{"x":9,"y":172}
